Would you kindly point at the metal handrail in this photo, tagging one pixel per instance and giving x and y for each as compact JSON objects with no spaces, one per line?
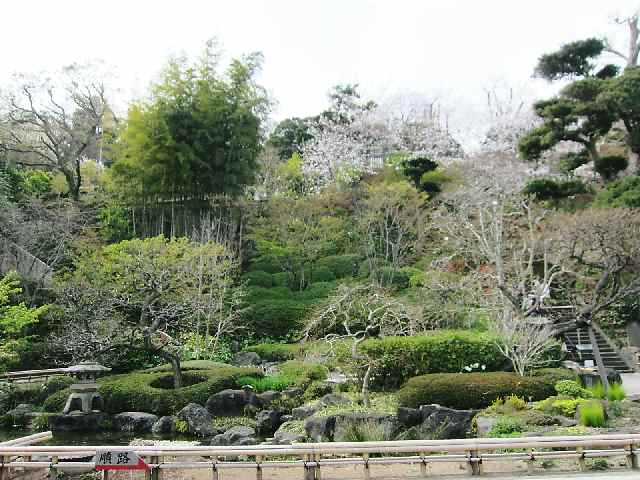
{"x":313,"y":456}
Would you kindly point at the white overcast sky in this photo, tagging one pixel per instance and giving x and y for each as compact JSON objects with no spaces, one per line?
{"x":449,"y":48}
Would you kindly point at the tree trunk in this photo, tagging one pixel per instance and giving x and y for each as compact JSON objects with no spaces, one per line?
{"x":365,"y":385}
{"x":174,"y":360}
{"x":602,"y":371}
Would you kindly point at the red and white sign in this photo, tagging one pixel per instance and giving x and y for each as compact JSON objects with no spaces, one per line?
{"x":119,"y":460}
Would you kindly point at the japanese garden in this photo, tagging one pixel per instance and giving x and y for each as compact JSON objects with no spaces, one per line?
{"x":187,"y":268}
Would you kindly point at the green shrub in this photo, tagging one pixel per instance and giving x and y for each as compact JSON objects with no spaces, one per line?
{"x":621,"y":193}
{"x":366,"y":431}
{"x":269,"y":266}
{"x":400,"y":358}
{"x":471,"y":390}
{"x":598,"y":391}
{"x":322,"y":274}
{"x":317,"y":291}
{"x":506,"y":427}
{"x":304,"y":373}
{"x":391,"y":277}
{"x":270,"y":383}
{"x":610,"y":165}
{"x":317,"y":389}
{"x":592,"y":414}
{"x":258,"y":278}
{"x":187,"y":366}
{"x":275,"y":352}
{"x":143,"y":391}
{"x":225,"y":423}
{"x":548,"y":189}
{"x":280,"y":279}
{"x":554,"y":375}
{"x":278,"y":313}
{"x":571,"y":388}
{"x":616,"y":392}
{"x":341,"y":265}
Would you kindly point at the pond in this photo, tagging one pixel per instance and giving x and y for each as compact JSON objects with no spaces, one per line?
{"x":91,"y":438}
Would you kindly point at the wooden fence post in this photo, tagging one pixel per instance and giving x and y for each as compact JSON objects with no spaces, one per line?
{"x":423,"y":465}
{"x":367,"y":471}
{"x":258,"y":467}
{"x":632,"y":458}
{"x":581,"y":462}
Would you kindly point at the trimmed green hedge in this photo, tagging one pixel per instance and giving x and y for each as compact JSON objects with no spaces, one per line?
{"x":399,"y":358}
{"x":275,"y":352}
{"x":472,"y":390}
{"x":278,"y":313}
{"x":139,"y":392}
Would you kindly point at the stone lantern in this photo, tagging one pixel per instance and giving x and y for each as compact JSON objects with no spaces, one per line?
{"x":84,"y":395}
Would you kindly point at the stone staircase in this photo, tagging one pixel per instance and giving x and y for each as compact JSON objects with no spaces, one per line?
{"x":580,"y":349}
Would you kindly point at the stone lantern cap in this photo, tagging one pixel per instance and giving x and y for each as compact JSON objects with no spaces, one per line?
{"x":88,"y":369}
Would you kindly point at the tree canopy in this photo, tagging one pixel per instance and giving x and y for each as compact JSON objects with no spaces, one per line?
{"x":199,"y":133}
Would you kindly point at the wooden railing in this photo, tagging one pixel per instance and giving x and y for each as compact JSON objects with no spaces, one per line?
{"x":29,"y":375}
{"x":311,"y":458}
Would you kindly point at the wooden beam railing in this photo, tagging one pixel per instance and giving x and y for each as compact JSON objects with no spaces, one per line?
{"x":311,"y":457}
{"x":29,"y":375}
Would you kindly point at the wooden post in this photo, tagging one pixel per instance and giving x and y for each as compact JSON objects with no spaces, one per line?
{"x":474,"y":463}
{"x":581,"y":462}
{"x":632,"y":458}
{"x":423,"y":465}
{"x":53,"y":468}
{"x":214,"y":469}
{"x":367,"y":471}
{"x":259,"y":467}
{"x":309,"y":471}
{"x":530,"y":462}
{"x":4,"y":472}
{"x":317,"y":459}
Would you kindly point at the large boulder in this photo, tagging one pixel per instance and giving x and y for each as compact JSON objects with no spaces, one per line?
{"x":369,"y":426}
{"x":198,"y":420}
{"x":304,"y":411}
{"x":164,"y":426}
{"x":231,"y":402}
{"x":445,"y":423}
{"x":267,"y":422}
{"x":268,"y":397}
{"x":134,"y":422}
{"x":409,"y":417}
{"x":78,"y":422}
{"x":283,"y":436}
{"x":236,"y":436}
{"x":247,"y":359}
{"x":320,"y":429}
{"x":484,"y":425}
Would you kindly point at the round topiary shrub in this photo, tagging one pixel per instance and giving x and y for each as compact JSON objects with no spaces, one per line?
{"x":471,"y":390}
